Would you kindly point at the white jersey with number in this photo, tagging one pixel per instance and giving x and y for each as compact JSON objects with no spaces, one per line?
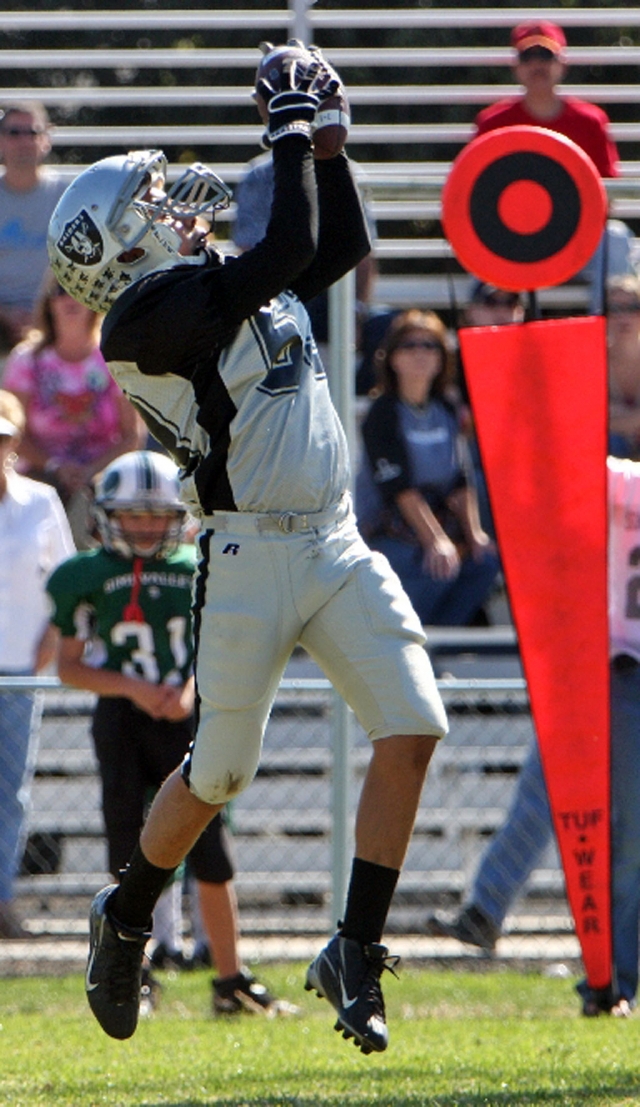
{"x":281,"y":446}
{"x":624,"y":556}
{"x":221,"y":361}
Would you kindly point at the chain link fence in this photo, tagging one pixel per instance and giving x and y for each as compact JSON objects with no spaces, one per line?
{"x":288,"y":836}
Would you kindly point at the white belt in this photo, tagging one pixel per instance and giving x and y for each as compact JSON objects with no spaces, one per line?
{"x":287,"y":522}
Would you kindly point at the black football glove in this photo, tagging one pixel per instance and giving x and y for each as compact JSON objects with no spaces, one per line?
{"x":292,"y":107}
{"x":330,"y":77}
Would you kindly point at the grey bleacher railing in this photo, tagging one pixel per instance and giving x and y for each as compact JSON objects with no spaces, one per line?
{"x":334,"y":19}
{"x":434,"y":57}
{"x":498,"y":637}
{"x":94,"y":96}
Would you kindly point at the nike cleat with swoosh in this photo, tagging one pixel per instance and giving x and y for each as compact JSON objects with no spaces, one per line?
{"x":348,"y":975}
{"x":114,"y":969}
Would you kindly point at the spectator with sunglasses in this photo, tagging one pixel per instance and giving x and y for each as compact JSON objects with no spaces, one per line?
{"x":415,"y":496}
{"x":28,"y":194}
{"x":490,"y":306}
{"x":540,"y":65}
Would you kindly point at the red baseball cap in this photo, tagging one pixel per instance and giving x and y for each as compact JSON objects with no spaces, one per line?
{"x":548,"y":35}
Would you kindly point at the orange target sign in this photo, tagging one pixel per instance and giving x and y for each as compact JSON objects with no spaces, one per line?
{"x":523,"y":208}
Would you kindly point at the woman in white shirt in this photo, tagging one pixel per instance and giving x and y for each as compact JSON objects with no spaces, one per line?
{"x":34,"y":539}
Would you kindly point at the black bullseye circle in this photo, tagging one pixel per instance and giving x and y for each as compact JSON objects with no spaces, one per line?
{"x":491,"y":228}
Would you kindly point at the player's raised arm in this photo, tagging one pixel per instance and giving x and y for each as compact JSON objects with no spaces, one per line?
{"x":317,"y":230}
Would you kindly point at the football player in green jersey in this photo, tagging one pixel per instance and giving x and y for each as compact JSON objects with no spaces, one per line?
{"x":124,"y":614}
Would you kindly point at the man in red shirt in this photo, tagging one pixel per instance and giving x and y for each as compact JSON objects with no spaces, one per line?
{"x":540,"y":66}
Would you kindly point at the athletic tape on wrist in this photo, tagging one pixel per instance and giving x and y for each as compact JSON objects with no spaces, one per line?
{"x":296,"y":127}
{"x":331,"y":119}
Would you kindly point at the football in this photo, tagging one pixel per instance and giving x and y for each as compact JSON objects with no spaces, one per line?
{"x":331,"y":124}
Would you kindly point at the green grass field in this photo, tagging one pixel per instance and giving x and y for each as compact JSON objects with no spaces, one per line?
{"x":496,"y":1039}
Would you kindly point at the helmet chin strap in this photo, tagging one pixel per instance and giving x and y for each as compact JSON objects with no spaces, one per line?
{"x":133,"y":613}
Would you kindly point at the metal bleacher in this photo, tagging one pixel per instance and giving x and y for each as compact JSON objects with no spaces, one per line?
{"x":166,"y":88}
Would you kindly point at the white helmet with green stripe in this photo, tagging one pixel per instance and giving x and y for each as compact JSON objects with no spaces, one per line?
{"x":139,"y":482}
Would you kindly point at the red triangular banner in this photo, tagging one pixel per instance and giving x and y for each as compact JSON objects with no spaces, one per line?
{"x":539,"y":397}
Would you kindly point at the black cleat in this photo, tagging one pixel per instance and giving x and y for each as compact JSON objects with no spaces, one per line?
{"x":113,"y":980}
{"x":471,"y":926}
{"x":243,"y":993}
{"x":348,"y":975}
{"x":623,"y":1009}
{"x":604,"y":1001}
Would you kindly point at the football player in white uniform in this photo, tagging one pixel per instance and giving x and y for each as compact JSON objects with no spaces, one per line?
{"x":219,"y":358}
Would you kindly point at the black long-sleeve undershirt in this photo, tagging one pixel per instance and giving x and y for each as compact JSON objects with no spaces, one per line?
{"x":316,"y":233}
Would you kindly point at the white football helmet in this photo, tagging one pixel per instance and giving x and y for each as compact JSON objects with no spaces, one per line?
{"x":108,"y":213}
{"x":139,"y":481}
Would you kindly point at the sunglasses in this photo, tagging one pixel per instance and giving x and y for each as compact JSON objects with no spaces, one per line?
{"x":19,"y":132}
{"x":623,"y":309}
{"x":536,"y":53}
{"x":425,"y":344}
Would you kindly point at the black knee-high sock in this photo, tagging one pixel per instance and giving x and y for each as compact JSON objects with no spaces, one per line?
{"x":369,"y":897}
{"x":141,"y":885}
